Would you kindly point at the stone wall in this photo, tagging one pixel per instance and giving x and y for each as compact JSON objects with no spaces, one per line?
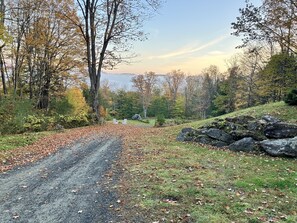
{"x":247,"y":134}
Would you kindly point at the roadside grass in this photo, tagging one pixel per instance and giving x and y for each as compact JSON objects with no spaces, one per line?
{"x":184,"y":182}
{"x":151,"y":123}
{"x":9,"y":142}
{"x":277,"y":109}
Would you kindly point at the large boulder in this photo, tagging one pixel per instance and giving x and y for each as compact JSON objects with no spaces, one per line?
{"x":242,"y":119}
{"x":240,"y":134}
{"x":280,"y":147}
{"x":270,"y":119}
{"x":280,"y":130}
{"x":204,"y":139}
{"x":185,"y":135}
{"x":136,"y":117}
{"x":218,"y":135}
{"x":244,"y":145}
{"x":247,"y":134}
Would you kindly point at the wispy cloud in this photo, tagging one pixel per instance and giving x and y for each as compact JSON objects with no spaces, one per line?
{"x":189,"y":50}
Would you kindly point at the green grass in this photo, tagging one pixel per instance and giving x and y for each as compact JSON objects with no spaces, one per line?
{"x":278,"y":109}
{"x":9,"y":142}
{"x":179,"y":181}
{"x":151,"y":123}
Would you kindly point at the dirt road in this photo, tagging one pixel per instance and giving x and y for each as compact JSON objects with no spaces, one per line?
{"x":68,"y":186}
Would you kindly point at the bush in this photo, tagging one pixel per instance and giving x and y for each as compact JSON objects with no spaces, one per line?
{"x":73,"y":121}
{"x":35,"y":123}
{"x":13,"y":113}
{"x":160,"y":121}
{"x":291,"y":98}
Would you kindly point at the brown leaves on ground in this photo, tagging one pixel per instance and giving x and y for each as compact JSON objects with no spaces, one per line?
{"x":50,"y":144}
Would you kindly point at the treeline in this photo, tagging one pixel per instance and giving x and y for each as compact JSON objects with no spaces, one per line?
{"x":47,"y":50}
{"x":248,"y":81}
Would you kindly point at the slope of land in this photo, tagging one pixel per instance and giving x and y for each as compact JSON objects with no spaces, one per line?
{"x":179,"y":182}
{"x":162,"y":180}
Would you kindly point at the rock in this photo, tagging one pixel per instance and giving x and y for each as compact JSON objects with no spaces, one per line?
{"x":242,"y":119}
{"x":204,"y":139}
{"x":280,"y":130}
{"x":280,"y":147}
{"x":59,"y":127}
{"x":270,"y":119}
{"x":244,"y":145}
{"x":136,"y":117}
{"x":218,"y":135}
{"x":240,"y":134}
{"x":256,"y":126}
{"x":247,"y":134}
{"x":184,"y":135}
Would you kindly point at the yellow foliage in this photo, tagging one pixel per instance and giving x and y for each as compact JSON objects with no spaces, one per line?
{"x":77,"y":101}
{"x":102,"y":112}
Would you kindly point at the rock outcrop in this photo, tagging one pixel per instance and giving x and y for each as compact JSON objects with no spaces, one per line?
{"x":280,"y":147}
{"x":247,"y":134}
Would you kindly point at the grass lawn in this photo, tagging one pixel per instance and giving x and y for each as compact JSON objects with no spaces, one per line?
{"x":8,"y":142}
{"x":143,"y":124}
{"x":179,"y":182}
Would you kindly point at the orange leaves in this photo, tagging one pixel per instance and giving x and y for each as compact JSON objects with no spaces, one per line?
{"x":50,"y":144}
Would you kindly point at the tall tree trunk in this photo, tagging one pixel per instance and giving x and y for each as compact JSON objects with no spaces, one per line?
{"x":2,"y":70}
{"x":43,"y":102}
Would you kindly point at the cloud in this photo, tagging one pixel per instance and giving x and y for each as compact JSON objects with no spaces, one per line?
{"x":189,"y":50}
{"x":216,"y":52}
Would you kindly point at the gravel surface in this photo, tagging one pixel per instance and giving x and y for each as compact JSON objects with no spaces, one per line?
{"x":72,"y":185}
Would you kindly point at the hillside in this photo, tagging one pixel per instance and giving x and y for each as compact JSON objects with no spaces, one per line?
{"x":278,"y":109}
{"x":163,"y":180}
{"x":170,"y":181}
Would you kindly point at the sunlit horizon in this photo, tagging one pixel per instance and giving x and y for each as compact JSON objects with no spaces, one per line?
{"x":187,"y":36}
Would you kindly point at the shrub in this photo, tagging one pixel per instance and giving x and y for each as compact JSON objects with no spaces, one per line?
{"x":13,"y":113}
{"x":35,"y":123}
{"x":61,"y":106}
{"x":160,"y":121}
{"x":291,"y":98}
{"x":73,"y":121}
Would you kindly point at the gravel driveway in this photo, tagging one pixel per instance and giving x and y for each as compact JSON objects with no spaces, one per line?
{"x":72,"y":185}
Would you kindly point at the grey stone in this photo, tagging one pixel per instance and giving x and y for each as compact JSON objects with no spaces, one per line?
{"x":270,"y":119}
{"x":280,"y":147}
{"x":184,"y":135}
{"x":218,"y":135}
{"x":244,"y":145}
{"x":280,"y":130}
{"x":204,"y":139}
{"x":242,"y":119}
{"x":256,"y":126}
{"x":240,"y":134}
{"x":136,"y":117}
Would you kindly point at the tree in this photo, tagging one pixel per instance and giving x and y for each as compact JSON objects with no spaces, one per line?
{"x":108,"y":26}
{"x":126,"y":104}
{"x":226,"y":99}
{"x":44,"y":49}
{"x":274,"y":22}
{"x":173,"y":82}
{"x":278,"y":77}
{"x":209,"y":89}
{"x":77,"y":101}
{"x":159,"y":107}
{"x":192,"y":89}
{"x":3,"y":39}
{"x":144,"y":85}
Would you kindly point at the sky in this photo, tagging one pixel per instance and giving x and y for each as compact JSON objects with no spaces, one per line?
{"x":189,"y":35}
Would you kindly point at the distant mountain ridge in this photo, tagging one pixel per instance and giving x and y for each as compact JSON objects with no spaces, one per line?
{"x":121,"y":80}
{"x":118,"y":81}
